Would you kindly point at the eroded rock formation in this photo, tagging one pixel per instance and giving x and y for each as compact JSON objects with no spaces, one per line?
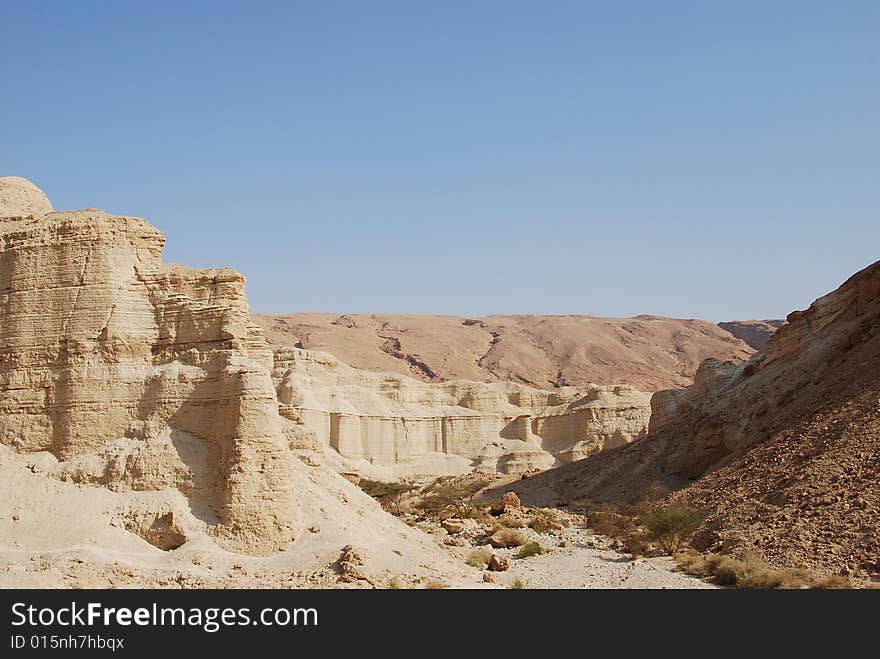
{"x":136,"y":373}
{"x":394,"y":425}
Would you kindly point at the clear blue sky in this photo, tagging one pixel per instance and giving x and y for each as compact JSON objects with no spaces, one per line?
{"x":695,"y":159}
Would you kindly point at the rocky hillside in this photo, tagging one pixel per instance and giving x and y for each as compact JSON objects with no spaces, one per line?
{"x":785,"y":447}
{"x":646,"y":352}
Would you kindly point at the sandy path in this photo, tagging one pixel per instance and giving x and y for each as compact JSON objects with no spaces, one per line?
{"x":586,"y":561}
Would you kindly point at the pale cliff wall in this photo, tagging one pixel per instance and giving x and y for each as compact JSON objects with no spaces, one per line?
{"x":102,"y":342}
{"x":399,"y":425}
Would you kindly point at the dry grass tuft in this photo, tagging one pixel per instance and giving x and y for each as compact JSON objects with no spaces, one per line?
{"x":530,"y":549}
{"x":479,"y":558}
{"x":753,"y":572}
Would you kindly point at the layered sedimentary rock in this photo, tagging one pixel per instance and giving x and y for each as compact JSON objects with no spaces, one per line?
{"x":647,"y":352}
{"x":404,"y":426}
{"x":137,"y":374}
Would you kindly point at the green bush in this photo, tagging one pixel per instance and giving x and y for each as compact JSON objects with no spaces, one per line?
{"x":672,"y":525}
{"x":530,"y":549}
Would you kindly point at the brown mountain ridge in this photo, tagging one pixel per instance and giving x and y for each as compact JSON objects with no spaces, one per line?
{"x":647,"y":352}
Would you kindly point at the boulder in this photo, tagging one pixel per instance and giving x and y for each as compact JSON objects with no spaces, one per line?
{"x":498,"y":563}
{"x":508,"y":505}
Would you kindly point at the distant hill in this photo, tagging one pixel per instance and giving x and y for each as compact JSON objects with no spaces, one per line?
{"x":647,"y":352}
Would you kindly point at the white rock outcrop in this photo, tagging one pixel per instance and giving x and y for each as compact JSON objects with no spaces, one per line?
{"x":21,"y":198}
{"x":138,"y":374}
{"x":390,"y":425}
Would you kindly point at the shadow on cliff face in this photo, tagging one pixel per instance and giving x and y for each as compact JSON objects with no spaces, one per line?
{"x":159,"y":409}
{"x":195,"y":453}
{"x":621,"y":475}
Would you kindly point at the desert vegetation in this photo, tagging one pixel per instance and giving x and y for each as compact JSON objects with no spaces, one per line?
{"x":530,"y":549}
{"x":753,"y":572}
{"x":665,"y":529}
{"x":388,"y":494}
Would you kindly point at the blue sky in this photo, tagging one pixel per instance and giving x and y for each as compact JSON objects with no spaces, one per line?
{"x":694,"y":159}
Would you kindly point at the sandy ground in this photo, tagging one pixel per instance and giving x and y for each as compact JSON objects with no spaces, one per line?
{"x":576,"y":558}
{"x":587,"y":562}
{"x":57,"y":534}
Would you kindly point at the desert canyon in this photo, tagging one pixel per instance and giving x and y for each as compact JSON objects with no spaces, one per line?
{"x":153,"y":433}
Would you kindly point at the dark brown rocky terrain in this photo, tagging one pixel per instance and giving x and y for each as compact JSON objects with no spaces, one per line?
{"x":784,"y":449}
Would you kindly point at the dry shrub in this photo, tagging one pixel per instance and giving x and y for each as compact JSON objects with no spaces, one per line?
{"x":450,"y":497}
{"x":529,"y":549}
{"x":636,"y":543}
{"x":518,"y":584}
{"x":621,"y":527}
{"x":670,"y":526}
{"x":693,"y":563}
{"x":612,"y":524}
{"x":388,"y":494}
{"x":832,"y":582}
{"x":753,"y":572}
{"x":479,"y":558}
{"x":434,"y":584}
{"x":504,"y":537}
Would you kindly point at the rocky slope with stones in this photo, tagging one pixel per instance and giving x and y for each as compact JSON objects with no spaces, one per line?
{"x":783,"y":448}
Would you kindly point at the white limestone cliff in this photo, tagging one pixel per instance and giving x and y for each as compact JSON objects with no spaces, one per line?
{"x":391,"y":425}
{"x":105,"y":348}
